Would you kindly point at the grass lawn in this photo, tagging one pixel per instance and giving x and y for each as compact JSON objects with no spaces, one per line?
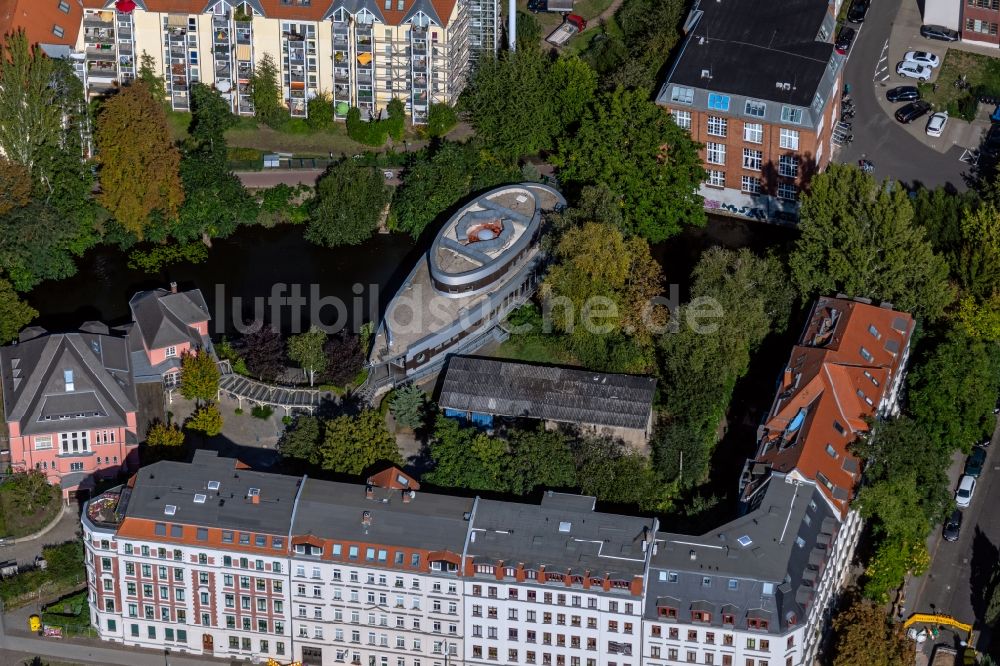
{"x":982,"y":72}
{"x":588,"y":9}
{"x":178,"y":121}
{"x":16,"y":520}
{"x":535,"y":349}
{"x":71,"y":613}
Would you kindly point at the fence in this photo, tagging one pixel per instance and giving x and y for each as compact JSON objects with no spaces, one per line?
{"x":383,"y":160}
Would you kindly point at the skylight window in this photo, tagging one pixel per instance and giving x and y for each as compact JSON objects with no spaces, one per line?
{"x":717,"y":101}
{"x":745,"y":541}
{"x":253,"y":492}
{"x":199,"y":498}
{"x":213,"y":485}
{"x":565,"y":526}
{"x":170,"y":509}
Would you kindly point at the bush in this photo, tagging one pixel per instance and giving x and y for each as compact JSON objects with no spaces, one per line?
{"x":440,"y":119}
{"x":238,"y":411}
{"x":375,"y":132}
{"x":238,"y":154}
{"x":320,"y":111}
{"x":286,"y":420}
{"x":262,"y":412}
{"x":397,"y":119}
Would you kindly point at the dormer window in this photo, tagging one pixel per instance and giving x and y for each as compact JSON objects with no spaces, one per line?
{"x":754,"y":623}
{"x":667,"y":612}
{"x":701,"y":616}
{"x":68,"y":380}
{"x":728,"y":618}
{"x":171,"y":352}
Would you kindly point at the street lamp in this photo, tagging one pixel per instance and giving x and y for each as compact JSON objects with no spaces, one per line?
{"x":166,"y":653}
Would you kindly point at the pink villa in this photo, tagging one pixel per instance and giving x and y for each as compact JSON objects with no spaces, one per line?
{"x":70,"y":399}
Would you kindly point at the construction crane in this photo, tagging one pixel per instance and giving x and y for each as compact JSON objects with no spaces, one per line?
{"x":963,"y":629}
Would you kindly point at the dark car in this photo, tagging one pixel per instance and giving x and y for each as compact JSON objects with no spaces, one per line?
{"x":844,"y":40}
{"x":953,"y":526}
{"x":535,"y":6}
{"x":975,"y":461}
{"x":903,"y":94}
{"x":912,"y":111}
{"x":939,"y":32}
{"x":856,"y":14}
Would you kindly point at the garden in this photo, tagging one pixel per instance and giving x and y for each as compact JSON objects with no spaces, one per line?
{"x":964,"y":78}
{"x":27,"y":502}
{"x":71,"y":614}
{"x":64,"y":573}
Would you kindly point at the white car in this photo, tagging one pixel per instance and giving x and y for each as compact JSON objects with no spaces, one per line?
{"x":935,"y":126}
{"x":913,"y":70}
{"x":922,"y":58}
{"x":963,"y":496}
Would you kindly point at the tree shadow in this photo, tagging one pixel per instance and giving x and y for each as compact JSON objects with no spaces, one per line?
{"x":981,"y":578}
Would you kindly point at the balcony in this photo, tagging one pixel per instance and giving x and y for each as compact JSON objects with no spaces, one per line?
{"x":108,"y":509}
{"x":95,"y":21}
{"x":244,"y":34}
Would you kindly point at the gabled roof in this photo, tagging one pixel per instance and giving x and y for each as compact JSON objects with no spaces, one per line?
{"x":837,"y":376}
{"x":566,"y":395}
{"x":34,"y":373}
{"x":39,"y":17}
{"x":165,"y":318}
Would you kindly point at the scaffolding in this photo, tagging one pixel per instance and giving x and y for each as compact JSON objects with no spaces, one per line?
{"x":484,"y":29}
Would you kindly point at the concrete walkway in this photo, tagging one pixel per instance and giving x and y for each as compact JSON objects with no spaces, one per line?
{"x":262,"y":179}
{"x":25,"y":549}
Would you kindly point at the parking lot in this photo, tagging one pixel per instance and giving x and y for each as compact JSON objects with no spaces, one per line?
{"x":901,"y":152}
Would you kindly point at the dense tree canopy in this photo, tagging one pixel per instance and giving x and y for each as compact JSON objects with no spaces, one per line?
{"x":467,"y":458}
{"x":864,"y":634}
{"x":15,"y":313}
{"x":632,"y":147}
{"x":140,"y":165}
{"x":352,"y":444}
{"x":349,"y":203}
{"x":859,"y":238}
{"x":409,"y":406}
{"x":306,"y":349}
{"x":263,"y":353}
{"x":301,"y":440}
{"x":266,"y":92}
{"x":199,"y":376}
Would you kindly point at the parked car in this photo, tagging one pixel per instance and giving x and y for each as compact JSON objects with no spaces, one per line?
{"x":913,"y":70}
{"x":844,"y":40}
{"x":903,"y":94}
{"x":974,"y":463}
{"x":966,"y":488}
{"x":938,"y":32}
{"x":535,"y":6}
{"x":857,"y":11}
{"x":922,"y":58}
{"x":953,"y":526}
{"x":936,"y":124}
{"x":912,"y":111}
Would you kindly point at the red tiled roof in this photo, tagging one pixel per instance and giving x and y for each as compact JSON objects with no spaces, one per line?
{"x":836,"y":378}
{"x":38,"y":17}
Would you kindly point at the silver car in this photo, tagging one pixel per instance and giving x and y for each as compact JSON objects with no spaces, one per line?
{"x":913,"y":70}
{"x":922,"y":58}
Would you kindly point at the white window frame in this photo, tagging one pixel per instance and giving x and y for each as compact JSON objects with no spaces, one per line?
{"x":43,"y":442}
{"x":717,"y":126}
{"x":788,"y":166}
{"x":791,"y":114}
{"x":753,"y":132}
{"x":170,"y":352}
{"x":81,"y":437}
{"x":753,"y":159}
{"x":788,"y":138}
{"x":788,"y":192}
{"x":682,"y":95}
{"x":682,"y":118}
{"x":750,"y":184}
{"x":716,"y":178}
{"x":715,"y":153}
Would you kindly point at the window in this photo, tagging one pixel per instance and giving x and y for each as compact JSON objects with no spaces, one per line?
{"x":227,"y":536}
{"x":867,"y":355}
{"x":682,"y":119}
{"x":717,"y":101}
{"x":682,"y":95}
{"x":715,"y":153}
{"x":43,"y":442}
{"x":753,"y":159}
{"x":74,"y":442}
{"x":716,"y":178}
{"x":982,"y":27}
{"x":750,"y":184}
{"x":982,"y":4}
{"x":787,"y":191}
{"x":171,"y":352}
{"x":717,"y":126}
{"x":754,"y":108}
{"x":753,"y":132}
{"x":57,"y":30}
{"x":789,"y":139}
{"x":64,"y":6}
{"x":788,"y":165}
{"x":790,"y":114}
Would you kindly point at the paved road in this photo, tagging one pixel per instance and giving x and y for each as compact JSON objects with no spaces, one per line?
{"x":897,"y":153}
{"x":25,"y":551}
{"x":957,"y":579}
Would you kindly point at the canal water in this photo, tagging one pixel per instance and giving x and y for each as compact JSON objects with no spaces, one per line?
{"x":259,"y":266}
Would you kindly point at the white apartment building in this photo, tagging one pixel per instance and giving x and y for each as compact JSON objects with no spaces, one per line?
{"x":363,"y":53}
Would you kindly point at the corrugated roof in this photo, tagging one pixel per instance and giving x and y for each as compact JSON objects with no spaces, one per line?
{"x":505,"y":388}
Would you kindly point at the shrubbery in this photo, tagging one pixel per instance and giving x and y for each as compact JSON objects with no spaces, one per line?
{"x":375,"y":132}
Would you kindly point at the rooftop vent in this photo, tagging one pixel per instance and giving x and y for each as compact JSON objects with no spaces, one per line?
{"x":783,"y":85}
{"x":366,"y":518}
{"x":706,"y":73}
{"x":169,"y":510}
{"x":200,"y":498}
{"x":693,"y":554}
{"x":745,"y":540}
{"x":564,"y":526}
{"x":213,"y":485}
{"x":253,"y":492}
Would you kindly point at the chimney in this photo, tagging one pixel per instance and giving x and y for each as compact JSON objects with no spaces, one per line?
{"x":173,"y":287}
{"x":366,"y":518}
{"x":255,"y":499}
{"x":408,"y":496}
{"x":369,"y":491}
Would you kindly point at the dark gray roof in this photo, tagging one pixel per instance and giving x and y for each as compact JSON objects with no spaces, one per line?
{"x":165,"y":318}
{"x":560,"y":536}
{"x":33,"y":374}
{"x":334,"y":510}
{"x":748,"y":46}
{"x":505,"y":388}
{"x":758,"y":565}
{"x":230,"y":507}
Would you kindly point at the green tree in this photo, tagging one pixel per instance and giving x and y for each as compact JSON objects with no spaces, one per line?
{"x":140,"y":164}
{"x":27,"y":94}
{"x":320,"y":111}
{"x":165,"y":435}
{"x":348,"y":206}
{"x":30,"y":490}
{"x":15,"y":313}
{"x":977,"y":270}
{"x":206,"y":419}
{"x":441,"y":118}
{"x":152,"y":78}
{"x":574,"y":86}
{"x":953,"y":387}
{"x":510,"y":104}
{"x":352,"y":444}
{"x":865,"y":634}
{"x":35,"y":244}
{"x":615,"y":474}
{"x":409,"y":406}
{"x":529,"y":32}
{"x":306,"y":349}
{"x":199,"y":377}
{"x":858,"y":237}
{"x":539,"y":459}
{"x":466,"y":458}
{"x":266,"y":93}
{"x":631,"y":146}
{"x":650,"y":31}
{"x":301,"y":440}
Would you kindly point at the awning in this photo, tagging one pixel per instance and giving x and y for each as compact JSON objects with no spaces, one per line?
{"x":125,"y":6}
{"x":243,"y":52}
{"x":364,"y":58}
{"x":177,"y":20}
